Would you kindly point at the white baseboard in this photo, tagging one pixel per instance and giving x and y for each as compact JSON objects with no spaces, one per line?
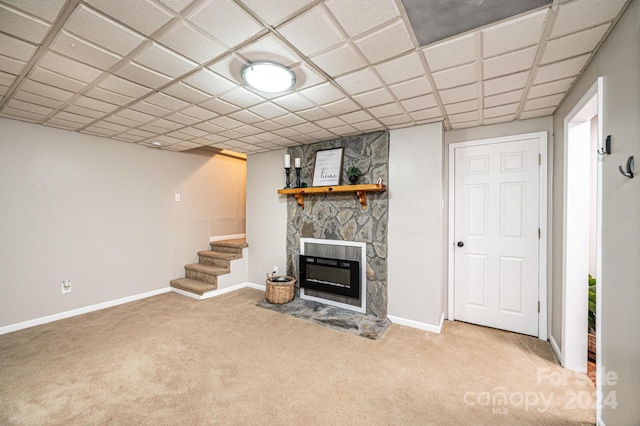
{"x":227,"y":237}
{"x":419,"y":325}
{"x":601,"y":422}
{"x":262,"y":287}
{"x":80,"y":311}
{"x":556,"y":348}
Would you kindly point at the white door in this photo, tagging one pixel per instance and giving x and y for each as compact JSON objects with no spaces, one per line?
{"x":496,"y":232}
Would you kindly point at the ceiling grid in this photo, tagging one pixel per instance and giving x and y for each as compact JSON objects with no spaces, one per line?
{"x":168,"y":71}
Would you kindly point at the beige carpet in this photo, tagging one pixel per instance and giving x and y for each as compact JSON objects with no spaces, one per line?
{"x":171,"y":360}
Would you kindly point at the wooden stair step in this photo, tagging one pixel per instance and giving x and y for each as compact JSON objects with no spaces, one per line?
{"x":229,"y":246}
{"x":192,"y":286}
{"x":207,"y":269}
{"x":219,"y":255}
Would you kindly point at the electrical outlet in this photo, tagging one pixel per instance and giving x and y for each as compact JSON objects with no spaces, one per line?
{"x":275,"y":270}
{"x":65,"y":286}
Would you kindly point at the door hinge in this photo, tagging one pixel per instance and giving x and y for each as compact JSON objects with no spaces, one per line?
{"x":538,"y":306}
{"x":539,"y":159}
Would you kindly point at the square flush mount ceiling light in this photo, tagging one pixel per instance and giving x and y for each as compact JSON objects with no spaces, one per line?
{"x":435,"y":20}
{"x":268,"y":77}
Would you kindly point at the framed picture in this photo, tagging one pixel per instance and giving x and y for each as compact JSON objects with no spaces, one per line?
{"x":327,"y":169}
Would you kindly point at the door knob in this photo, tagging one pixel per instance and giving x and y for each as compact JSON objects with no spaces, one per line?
{"x":460,"y":244}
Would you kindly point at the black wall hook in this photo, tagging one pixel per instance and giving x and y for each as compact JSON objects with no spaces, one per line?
{"x":630,"y":166}
{"x":606,"y":149}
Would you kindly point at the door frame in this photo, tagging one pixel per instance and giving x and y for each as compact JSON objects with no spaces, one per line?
{"x":542,"y":214}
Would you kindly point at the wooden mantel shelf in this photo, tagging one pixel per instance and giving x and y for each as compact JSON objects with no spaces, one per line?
{"x":360,"y":190}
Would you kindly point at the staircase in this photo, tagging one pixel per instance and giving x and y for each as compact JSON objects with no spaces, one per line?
{"x":202,"y":277}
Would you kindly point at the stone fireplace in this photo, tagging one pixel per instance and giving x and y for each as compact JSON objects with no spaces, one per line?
{"x":340,"y":217}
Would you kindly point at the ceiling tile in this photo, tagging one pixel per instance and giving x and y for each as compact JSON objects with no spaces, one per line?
{"x":227,"y":22}
{"x":551,"y":88}
{"x":226,"y":122}
{"x":46,"y":90}
{"x":118,"y":119}
{"x":209,"y":82}
{"x":16,"y":49}
{"x":186,"y":93}
{"x":288,"y":120}
{"x":269,"y":49}
{"x":356,"y":117}
{"x":465,"y":116}
{"x":374,"y":98}
{"x":496,"y":120}
{"x":544,"y":102}
{"x":29,"y":107}
{"x":102,"y":31}
{"x":524,"y":115}
{"x":359,"y":16}
{"x":176,"y":5}
{"x":385,"y":110}
{"x":123,"y":87}
{"x":268,"y":110}
{"x":7,"y":79}
{"x":62,"y":124}
{"x":316,"y":21}
{"x":142,"y":75}
{"x":456,"y":76}
{"x":275,"y":13}
{"x":164,"y":61}
{"x":313,"y":114}
{"x":166,"y":101}
{"x":37,"y":99}
{"x":459,"y":94}
{"x":198,"y":112}
{"x":20,"y":114}
{"x":68,"y":67}
{"x":513,"y":34}
{"x":11,"y":66}
{"x":165,"y":124}
{"x":502,"y":98}
{"x":420,"y":102}
{"x":501,"y":110}
{"x":107,"y":96}
{"x":47,"y":10}
{"x":323,"y":93}
{"x":452,"y":53}
{"x":192,"y":131}
{"x":330,"y":122}
{"x":509,"y":63}
{"x":241,"y":97}
{"x":400,"y":69}
{"x":80,"y":50}
{"x":573,"y":45}
{"x":306,"y":76}
{"x":426,"y":114}
{"x":400,"y":120}
{"x":148,"y":108}
{"x":460,"y":107}
{"x":367,"y":126}
{"x":581,"y":14}
{"x":191,"y":43}
{"x":245,"y":116}
{"x":505,"y":84}
{"x":465,"y":124}
{"x":208,"y":128}
{"x":341,"y":60}
{"x":85,"y":112}
{"x":94,"y":104}
{"x":412,"y":88}
{"x":76,"y":118}
{"x":134,"y":115}
{"x":294,"y":102}
{"x":269,"y":125}
{"x":360,"y":81}
{"x":385,"y":42}
{"x":54,"y":79}
{"x":560,"y":70}
{"x":113,"y":127}
{"x":341,"y":107}
{"x":21,"y":25}
{"x":182,"y":119}
{"x":141,"y":15}
{"x":306,"y":128}
{"x":218,"y":106}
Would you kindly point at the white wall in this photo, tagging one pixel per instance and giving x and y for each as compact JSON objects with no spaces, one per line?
{"x":415,"y":252}
{"x":618,"y":61}
{"x":102,"y":214}
{"x":266,"y":215}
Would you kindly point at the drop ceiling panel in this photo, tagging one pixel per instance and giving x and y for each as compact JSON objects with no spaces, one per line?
{"x":69,"y":45}
{"x":192,"y":43}
{"x":11,"y":66}
{"x":241,"y":97}
{"x":360,"y":81}
{"x":268,"y":110}
{"x":459,"y":76}
{"x":102,"y":31}
{"x":341,"y":60}
{"x":47,"y":10}
{"x":85,"y":112}
{"x":23,"y":26}
{"x":57,"y":80}
{"x":275,"y":13}
{"x":144,"y":76}
{"x":46,"y":90}
{"x":37,"y":99}
{"x":544,"y":102}
{"x":409,"y":89}
{"x":507,"y":83}
{"x":545,"y":89}
{"x":359,"y":16}
{"x":313,"y":114}
{"x":107,"y":96}
{"x":559,"y":70}
{"x":186,"y":93}
{"x":420,"y":102}
{"x":269,"y":49}
{"x":16,"y":49}
{"x":509,"y":63}
{"x":514,"y":34}
{"x":502,"y":99}
{"x":140,"y":15}
{"x":452,"y":53}
{"x":501,"y":110}
{"x":373,"y":98}
{"x":323,"y":93}
{"x":226,"y":21}
{"x":94,"y":104}
{"x":147,"y":108}
{"x":582,"y":14}
{"x":573,"y":45}
{"x":405,"y":67}
{"x":164,"y":61}
{"x":385,"y":43}
{"x":460,"y":107}
{"x":459,"y":94}
{"x":123,"y":87}
{"x":316,"y":21}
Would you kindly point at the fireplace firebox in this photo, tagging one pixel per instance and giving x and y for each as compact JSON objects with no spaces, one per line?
{"x":336,"y":276}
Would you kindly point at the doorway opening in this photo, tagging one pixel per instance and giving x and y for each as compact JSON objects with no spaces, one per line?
{"x":582,"y":230}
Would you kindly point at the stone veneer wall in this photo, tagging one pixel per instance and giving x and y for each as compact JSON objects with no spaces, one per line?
{"x":340,"y":216}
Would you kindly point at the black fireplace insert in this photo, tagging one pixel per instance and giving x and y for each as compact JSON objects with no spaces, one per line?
{"x":337,"y":276}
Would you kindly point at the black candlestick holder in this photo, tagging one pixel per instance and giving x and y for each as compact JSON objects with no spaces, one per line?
{"x":287,"y":183}
{"x":298,"y":177}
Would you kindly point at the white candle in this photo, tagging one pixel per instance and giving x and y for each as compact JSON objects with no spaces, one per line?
{"x":297,"y":163}
{"x":287,"y":161}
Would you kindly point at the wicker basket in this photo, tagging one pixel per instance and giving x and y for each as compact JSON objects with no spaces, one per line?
{"x":280,"y":289}
{"x":591,"y":338}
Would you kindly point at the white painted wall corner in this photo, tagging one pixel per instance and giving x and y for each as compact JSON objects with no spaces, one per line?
{"x":416,"y":324}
